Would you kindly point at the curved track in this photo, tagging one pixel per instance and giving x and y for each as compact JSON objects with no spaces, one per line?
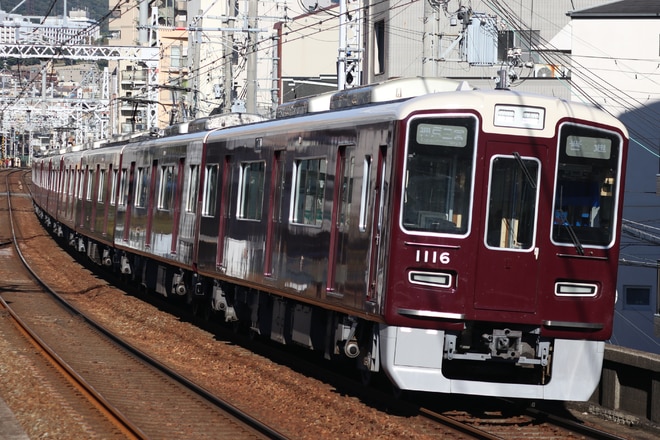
{"x":142,"y":398}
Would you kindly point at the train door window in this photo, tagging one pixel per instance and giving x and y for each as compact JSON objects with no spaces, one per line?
{"x":438,"y":175}
{"x":308,"y":191}
{"x":123,"y":187}
{"x":113,"y":188}
{"x":346,"y":192}
{"x":588,"y":168}
{"x":364,"y":193}
{"x":210,"y":191}
{"x":512,"y":200}
{"x":101,"y":191}
{"x":193,"y":184}
{"x":166,"y":187}
{"x":141,"y":187}
{"x":251,"y":190}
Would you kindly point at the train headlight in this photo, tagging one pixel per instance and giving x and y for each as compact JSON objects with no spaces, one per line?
{"x":434,"y":279}
{"x":564,"y":288}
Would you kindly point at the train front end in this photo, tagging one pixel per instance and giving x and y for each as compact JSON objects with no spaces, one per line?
{"x":502,"y":246}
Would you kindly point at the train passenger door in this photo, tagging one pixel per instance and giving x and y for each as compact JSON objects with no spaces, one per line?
{"x":272,"y":259}
{"x":375,"y":257}
{"x":508,"y":256}
{"x":338,"y":258}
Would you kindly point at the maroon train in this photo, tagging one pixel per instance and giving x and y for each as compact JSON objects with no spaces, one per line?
{"x":460,"y":240}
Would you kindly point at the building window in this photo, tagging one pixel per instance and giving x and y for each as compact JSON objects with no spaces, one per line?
{"x":637,"y":297}
{"x":379,"y":47}
{"x":252,"y":190}
{"x":525,"y":40}
{"x":176,"y":57}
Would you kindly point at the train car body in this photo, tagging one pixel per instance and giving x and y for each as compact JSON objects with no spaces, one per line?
{"x":461,"y":241}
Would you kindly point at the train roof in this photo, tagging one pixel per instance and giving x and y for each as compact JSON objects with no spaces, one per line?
{"x":388,"y":91}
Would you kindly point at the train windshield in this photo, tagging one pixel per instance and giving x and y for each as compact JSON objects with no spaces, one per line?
{"x":587,"y":182}
{"x":438,"y":175}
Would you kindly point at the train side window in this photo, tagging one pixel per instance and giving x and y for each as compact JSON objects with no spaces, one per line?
{"x":123,"y":188}
{"x":210,"y":191}
{"x":141,"y":187}
{"x":364,"y":194}
{"x":193,"y":184}
{"x":166,"y":187}
{"x":100,"y":194}
{"x":81,"y":179}
{"x":70,"y":182}
{"x":90,"y":185}
{"x":113,"y":188}
{"x":513,"y":194}
{"x":251,"y":190}
{"x":309,"y":191}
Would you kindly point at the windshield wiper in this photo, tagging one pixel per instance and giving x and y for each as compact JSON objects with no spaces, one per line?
{"x":572,"y":234}
{"x":524,"y":169}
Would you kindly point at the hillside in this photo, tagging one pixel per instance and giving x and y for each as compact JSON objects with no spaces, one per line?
{"x":95,"y":8}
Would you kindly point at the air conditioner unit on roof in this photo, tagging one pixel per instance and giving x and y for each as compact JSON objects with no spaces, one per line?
{"x":549,"y":71}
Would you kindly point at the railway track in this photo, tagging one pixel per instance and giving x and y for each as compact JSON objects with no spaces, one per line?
{"x":469,"y":421}
{"x":139,"y":397}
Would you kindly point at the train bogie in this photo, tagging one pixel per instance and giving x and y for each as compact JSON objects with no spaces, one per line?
{"x":462,"y":241}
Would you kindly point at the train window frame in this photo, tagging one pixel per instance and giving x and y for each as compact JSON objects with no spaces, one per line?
{"x":595,"y":227}
{"x":210,"y":194}
{"x":431,"y":222}
{"x":509,"y":241}
{"x":299,"y":205}
{"x":166,"y":187}
{"x":251,"y":192}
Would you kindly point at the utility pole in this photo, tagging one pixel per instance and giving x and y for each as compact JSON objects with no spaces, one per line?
{"x":349,"y":60}
{"x":228,"y":58}
{"x":428,"y":38}
{"x":251,"y":92}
